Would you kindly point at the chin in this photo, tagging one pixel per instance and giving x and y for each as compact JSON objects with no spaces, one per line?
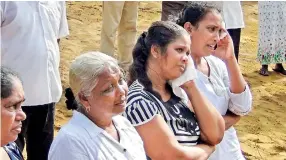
{"x":175,"y":76}
{"x":11,"y":138}
{"x":119,"y":110}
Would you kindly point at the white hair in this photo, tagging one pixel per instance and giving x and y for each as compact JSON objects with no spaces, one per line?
{"x":85,"y":69}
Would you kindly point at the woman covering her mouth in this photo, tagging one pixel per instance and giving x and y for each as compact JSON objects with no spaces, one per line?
{"x":170,"y":127}
{"x":97,"y":130}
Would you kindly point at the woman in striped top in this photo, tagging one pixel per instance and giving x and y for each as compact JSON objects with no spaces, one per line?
{"x":170,"y":129}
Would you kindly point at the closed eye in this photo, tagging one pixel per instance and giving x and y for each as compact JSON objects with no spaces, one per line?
{"x":109,"y":89}
{"x":14,"y":107}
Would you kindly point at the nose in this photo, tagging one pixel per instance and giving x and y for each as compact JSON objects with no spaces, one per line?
{"x":217,"y":37}
{"x":121,"y":90}
{"x":20,"y":116}
{"x":185,"y":59}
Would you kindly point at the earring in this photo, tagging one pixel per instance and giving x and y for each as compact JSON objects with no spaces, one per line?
{"x":87,"y":109}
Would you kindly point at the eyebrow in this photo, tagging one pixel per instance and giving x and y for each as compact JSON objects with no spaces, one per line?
{"x":213,"y":25}
{"x":15,"y":103}
{"x":109,"y":80}
{"x":180,"y":45}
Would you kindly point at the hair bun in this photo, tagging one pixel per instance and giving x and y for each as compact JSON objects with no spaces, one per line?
{"x":70,"y":102}
{"x":144,"y":34}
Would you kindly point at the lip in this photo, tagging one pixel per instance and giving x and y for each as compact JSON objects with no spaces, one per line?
{"x":18,"y":128}
{"x":182,"y":67}
{"x":211,"y":47}
{"x":121,"y":102}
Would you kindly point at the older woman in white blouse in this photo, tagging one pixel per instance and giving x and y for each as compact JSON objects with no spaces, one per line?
{"x":97,"y":131}
{"x":219,"y":76}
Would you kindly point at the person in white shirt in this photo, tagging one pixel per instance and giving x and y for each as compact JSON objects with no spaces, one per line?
{"x":30,"y":32}
{"x":219,"y":76}
{"x":97,"y":94}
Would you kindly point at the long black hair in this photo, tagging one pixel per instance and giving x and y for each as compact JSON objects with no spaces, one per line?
{"x":160,"y":34}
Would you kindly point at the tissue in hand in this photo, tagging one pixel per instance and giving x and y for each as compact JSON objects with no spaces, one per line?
{"x":190,"y":73}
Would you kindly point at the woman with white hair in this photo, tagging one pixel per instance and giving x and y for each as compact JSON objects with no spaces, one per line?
{"x":97,"y":130}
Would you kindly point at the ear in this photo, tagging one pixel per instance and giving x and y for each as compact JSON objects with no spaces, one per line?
{"x":155,"y":51}
{"x":83,"y":100}
{"x":189,"y":27}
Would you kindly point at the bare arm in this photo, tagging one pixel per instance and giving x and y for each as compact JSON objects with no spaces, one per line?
{"x":225,"y":51}
{"x":237,"y":83}
{"x":210,"y":121}
{"x":230,"y":119}
{"x":160,"y":143}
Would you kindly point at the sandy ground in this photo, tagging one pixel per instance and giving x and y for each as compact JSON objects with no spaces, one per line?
{"x":262,"y":133}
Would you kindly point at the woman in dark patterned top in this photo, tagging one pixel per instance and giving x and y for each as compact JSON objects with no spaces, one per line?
{"x":169,"y":127}
{"x":12,"y":96}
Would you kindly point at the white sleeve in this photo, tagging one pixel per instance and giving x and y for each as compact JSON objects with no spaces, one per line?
{"x":240,"y":103}
{"x":64,"y":29}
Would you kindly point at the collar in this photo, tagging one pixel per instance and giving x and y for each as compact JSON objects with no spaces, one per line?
{"x":91,"y":128}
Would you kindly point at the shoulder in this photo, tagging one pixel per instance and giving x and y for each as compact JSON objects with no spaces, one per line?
{"x":68,"y":142}
{"x":137,"y":93}
{"x":69,"y":146}
{"x":73,"y":134}
{"x":69,"y":135}
{"x":141,"y":106}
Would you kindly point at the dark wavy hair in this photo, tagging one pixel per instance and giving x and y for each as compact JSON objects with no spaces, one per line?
{"x":194,"y":13}
{"x":7,"y":81}
{"x":160,"y":34}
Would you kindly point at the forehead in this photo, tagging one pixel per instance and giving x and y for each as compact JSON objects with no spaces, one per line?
{"x":212,"y":18}
{"x":106,"y":76}
{"x":17,"y":94}
{"x":183,"y":40}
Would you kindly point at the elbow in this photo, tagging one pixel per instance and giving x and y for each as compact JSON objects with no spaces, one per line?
{"x":215,"y":139}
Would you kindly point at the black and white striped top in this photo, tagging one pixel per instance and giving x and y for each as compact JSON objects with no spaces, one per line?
{"x":142,"y":106}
